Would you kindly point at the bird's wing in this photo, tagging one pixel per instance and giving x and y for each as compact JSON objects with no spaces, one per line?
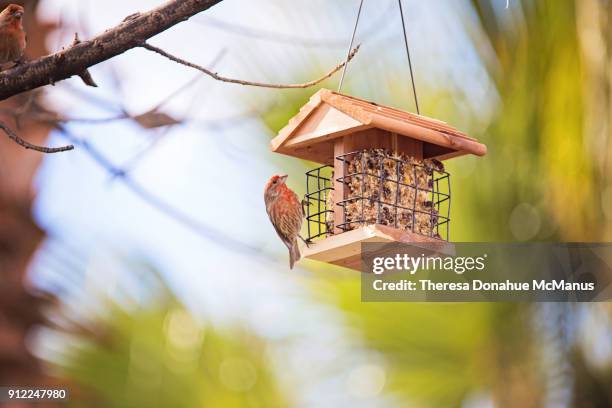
{"x":298,"y":204}
{"x":282,"y":236}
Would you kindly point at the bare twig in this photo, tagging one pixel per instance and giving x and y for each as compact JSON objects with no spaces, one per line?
{"x":15,"y":138}
{"x":85,"y":75}
{"x":131,"y":33}
{"x":41,"y":114}
{"x":243,"y":82}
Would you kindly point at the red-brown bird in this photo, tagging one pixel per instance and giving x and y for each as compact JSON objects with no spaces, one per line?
{"x":12,"y":36}
{"x":286,"y":214}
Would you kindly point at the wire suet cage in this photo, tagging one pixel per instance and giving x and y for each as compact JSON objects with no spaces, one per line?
{"x":382,"y":188}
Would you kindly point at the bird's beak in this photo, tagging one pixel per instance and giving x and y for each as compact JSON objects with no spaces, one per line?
{"x":284,"y":178}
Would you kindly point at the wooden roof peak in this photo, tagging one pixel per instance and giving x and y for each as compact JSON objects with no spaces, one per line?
{"x":333,"y":114}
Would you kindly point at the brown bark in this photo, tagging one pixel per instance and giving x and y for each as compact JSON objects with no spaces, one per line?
{"x":131,"y":33}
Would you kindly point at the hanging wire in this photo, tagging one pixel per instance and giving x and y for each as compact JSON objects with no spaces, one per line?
{"x":350,"y":48}
{"x":416,"y":101}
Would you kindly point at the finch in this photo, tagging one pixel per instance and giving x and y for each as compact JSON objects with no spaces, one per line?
{"x":12,"y":36}
{"x":286,"y":214}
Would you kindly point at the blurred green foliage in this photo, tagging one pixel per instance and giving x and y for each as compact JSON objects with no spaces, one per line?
{"x":541,"y":168}
{"x":160,"y":355}
{"x":437,"y":355}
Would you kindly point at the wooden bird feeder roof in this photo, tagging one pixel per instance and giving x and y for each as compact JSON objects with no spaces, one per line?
{"x":329,"y":115}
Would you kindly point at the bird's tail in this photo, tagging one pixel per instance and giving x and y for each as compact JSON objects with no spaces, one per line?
{"x":294,"y":253}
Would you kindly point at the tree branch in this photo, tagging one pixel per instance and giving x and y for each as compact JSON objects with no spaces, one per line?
{"x":13,"y":136}
{"x":131,"y":33}
{"x":243,"y":82}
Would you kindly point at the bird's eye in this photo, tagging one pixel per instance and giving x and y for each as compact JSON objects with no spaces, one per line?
{"x":274,"y":182}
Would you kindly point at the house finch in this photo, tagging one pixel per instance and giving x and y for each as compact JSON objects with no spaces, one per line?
{"x":286,"y":214}
{"x":12,"y":36}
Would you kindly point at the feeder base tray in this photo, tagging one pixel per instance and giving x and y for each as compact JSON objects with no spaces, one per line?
{"x":345,"y":249}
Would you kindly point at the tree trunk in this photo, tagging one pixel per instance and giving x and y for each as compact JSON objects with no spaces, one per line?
{"x":20,"y":309}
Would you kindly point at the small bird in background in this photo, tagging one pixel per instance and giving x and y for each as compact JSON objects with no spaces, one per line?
{"x":286,"y":214}
{"x":12,"y":36}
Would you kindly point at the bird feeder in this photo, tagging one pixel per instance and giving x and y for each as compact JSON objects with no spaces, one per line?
{"x":381,"y":177}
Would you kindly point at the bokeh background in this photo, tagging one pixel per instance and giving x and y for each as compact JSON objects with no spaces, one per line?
{"x":140,"y":269}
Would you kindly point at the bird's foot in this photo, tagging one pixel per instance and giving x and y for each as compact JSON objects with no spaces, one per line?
{"x":308,"y":242}
{"x":305,"y":205}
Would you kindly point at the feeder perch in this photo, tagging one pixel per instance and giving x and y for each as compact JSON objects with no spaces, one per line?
{"x":381,"y":177}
